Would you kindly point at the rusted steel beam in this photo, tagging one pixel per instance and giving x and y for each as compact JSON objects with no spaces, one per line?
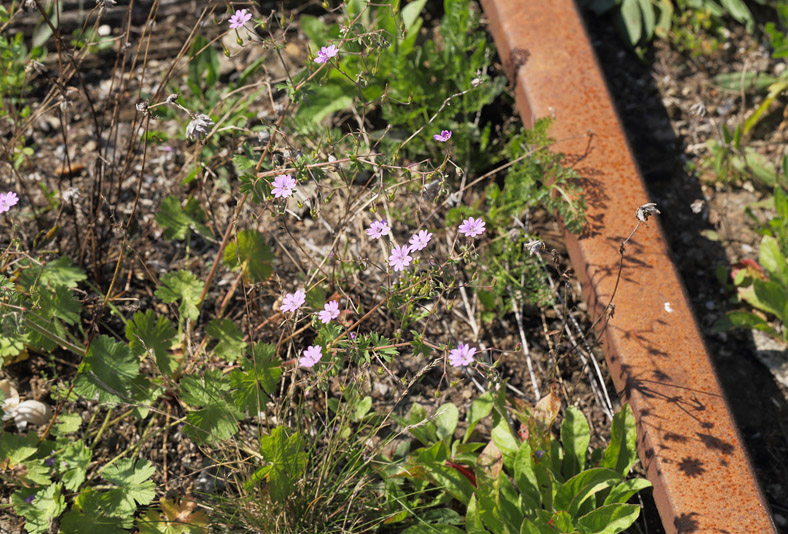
{"x":687,"y":439}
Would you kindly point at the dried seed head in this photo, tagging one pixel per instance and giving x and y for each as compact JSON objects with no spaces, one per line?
{"x":534,"y":246}
{"x":645,"y":211}
{"x":142,"y":107}
{"x":199,"y":127}
{"x":36,"y":66}
{"x":698,"y":109}
{"x":697,"y":206}
{"x":172,"y":98}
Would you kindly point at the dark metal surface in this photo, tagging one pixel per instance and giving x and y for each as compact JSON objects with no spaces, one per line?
{"x":687,"y":440}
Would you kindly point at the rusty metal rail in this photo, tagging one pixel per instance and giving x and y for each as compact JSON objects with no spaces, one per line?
{"x":687,"y":439}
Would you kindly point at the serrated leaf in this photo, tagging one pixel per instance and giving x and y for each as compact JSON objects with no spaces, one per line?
{"x":76,"y":522}
{"x":17,"y":449}
{"x":177,"y":221}
{"x":59,"y":302}
{"x":182,"y":286}
{"x":147,"y":333}
{"x":231,"y":340}
{"x":47,"y":504}
{"x":287,"y":458}
{"x":259,"y":377}
{"x":37,"y":473}
{"x":107,"y":371}
{"x":60,"y":271}
{"x":251,"y":252}
{"x":66,"y":424}
{"x":72,"y":464}
{"x":215,"y":419}
{"x":134,"y":486}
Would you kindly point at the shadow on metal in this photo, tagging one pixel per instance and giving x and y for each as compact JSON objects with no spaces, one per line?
{"x":687,"y":440}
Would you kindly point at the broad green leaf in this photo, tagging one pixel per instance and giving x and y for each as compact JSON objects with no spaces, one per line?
{"x":739,"y":11}
{"x":649,"y":18}
{"x":479,"y":409}
{"x":315,"y":29}
{"x":473,"y":521}
{"x":610,"y":519}
{"x":134,"y":487}
{"x":58,"y":272}
{"x":772,"y":259}
{"x":411,"y":12}
{"x":626,"y":489}
{"x":231,"y":340}
{"x":257,"y":377}
{"x":47,"y":504}
{"x":287,"y":458}
{"x":251,"y":252}
{"x":525,"y":477}
{"x":17,"y":449}
{"x":770,"y":297}
{"x":446,"y":418}
{"x":147,"y":333}
{"x":620,"y":453}
{"x":743,"y":319}
{"x":432,"y":529}
{"x":631,"y":17}
{"x":59,"y":302}
{"x":422,"y":430}
{"x":76,"y":522}
{"x":575,"y":437}
{"x":451,"y":480}
{"x":577,"y":489}
{"x":503,"y":438}
{"x":562,"y":522}
{"x":37,"y":473}
{"x":182,"y":286}
{"x":107,"y":371}
{"x":325,"y":99}
{"x":67,"y":424}
{"x":177,"y":221}
{"x":217,"y":419}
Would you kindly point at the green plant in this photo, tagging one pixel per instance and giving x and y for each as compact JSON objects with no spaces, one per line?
{"x":525,"y":481}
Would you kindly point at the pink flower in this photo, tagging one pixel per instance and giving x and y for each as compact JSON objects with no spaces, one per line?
{"x":330,"y":311}
{"x":326,"y":53}
{"x":419,"y":241}
{"x":472,"y":227}
{"x":378,"y":229}
{"x":444,"y":136}
{"x":293,"y":301}
{"x":283,"y":186}
{"x":7,"y":200}
{"x":240,"y":18}
{"x":462,"y":356}
{"x":399,"y":258}
{"x":312,"y":355}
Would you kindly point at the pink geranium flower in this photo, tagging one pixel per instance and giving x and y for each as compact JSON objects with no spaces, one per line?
{"x":419,"y":241}
{"x":472,"y":227}
{"x":330,"y":312}
{"x":293,"y":301}
{"x":240,"y":18}
{"x":326,"y":53}
{"x":7,"y":200}
{"x":399,"y":258}
{"x":283,"y":186}
{"x":312,"y":355}
{"x":442,"y":137}
{"x":378,"y":229}
{"x":462,"y":356}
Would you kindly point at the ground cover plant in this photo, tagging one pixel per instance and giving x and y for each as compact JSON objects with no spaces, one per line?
{"x":287,"y":275}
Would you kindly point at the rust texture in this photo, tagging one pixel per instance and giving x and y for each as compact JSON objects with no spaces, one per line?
{"x":687,"y":439}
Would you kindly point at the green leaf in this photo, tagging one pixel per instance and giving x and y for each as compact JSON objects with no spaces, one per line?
{"x":67,"y":424}
{"x":610,"y":519}
{"x":182,"y":286}
{"x":258,"y":377}
{"x":576,"y":490}
{"x":58,"y":272}
{"x":626,"y":489}
{"x":411,"y":12}
{"x":287,"y":458}
{"x":743,"y":319}
{"x":315,"y":29}
{"x":479,"y":409}
{"x":134,"y":485}
{"x":575,"y":437}
{"x":739,"y":11}
{"x":72,"y":464}
{"x":772,"y":259}
{"x":451,"y":480}
{"x":37,"y":473}
{"x":432,"y":529}
{"x":148,"y":334}
{"x":770,"y":297}
{"x":17,"y":449}
{"x":217,"y":419}
{"x":231,"y":340}
{"x":323,"y":101}
{"x":649,"y":18}
{"x":47,"y":505}
{"x":107,"y":371}
{"x":59,"y":302}
{"x":177,"y":221}
{"x":503,"y":438}
{"x":630,"y":16}
{"x":446,"y":419}
{"x":525,"y":477}
{"x":75,"y":522}
{"x":251,"y":252}
{"x":620,"y":453}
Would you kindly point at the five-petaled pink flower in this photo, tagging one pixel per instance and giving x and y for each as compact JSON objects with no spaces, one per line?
{"x":293,"y":301}
{"x":326,"y":53}
{"x":399,"y":258}
{"x":462,"y":356}
{"x":7,"y":200}
{"x":312,"y":355}
{"x":330,"y":311}
{"x":378,"y":229}
{"x":472,"y":227}
{"x":444,"y":136}
{"x":240,"y":18}
{"x":283,"y":186}
{"x":419,"y":241}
